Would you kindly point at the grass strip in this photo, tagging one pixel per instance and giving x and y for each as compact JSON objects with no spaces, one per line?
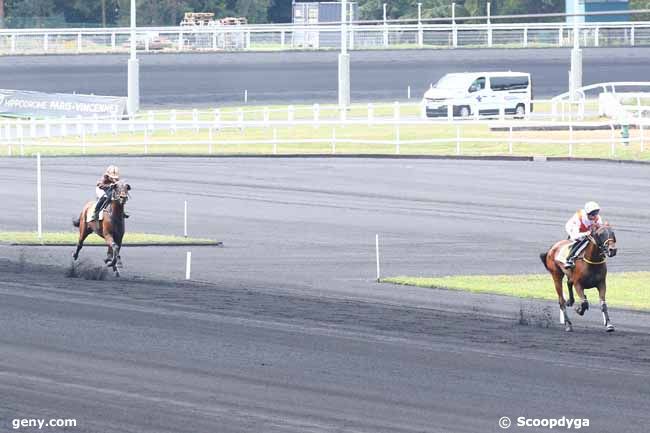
{"x":624,"y":289}
{"x":70,"y":238}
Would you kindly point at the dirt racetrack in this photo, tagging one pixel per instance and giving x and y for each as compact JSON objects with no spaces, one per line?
{"x":283,"y":329}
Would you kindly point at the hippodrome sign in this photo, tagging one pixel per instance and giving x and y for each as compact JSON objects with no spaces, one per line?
{"x":21,"y":103}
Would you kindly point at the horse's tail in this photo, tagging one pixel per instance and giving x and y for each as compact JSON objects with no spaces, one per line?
{"x":543,"y":256}
{"x":76,"y":221}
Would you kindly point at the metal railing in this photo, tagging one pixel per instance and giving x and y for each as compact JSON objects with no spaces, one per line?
{"x":611,"y":101}
{"x":361,"y":35}
{"x":395,"y":129}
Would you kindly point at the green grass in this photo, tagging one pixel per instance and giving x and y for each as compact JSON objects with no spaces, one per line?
{"x":625,"y":289}
{"x":67,"y":238}
{"x":292,"y":140}
{"x":295,"y":139}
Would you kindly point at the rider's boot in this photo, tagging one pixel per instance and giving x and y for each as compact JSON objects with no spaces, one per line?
{"x":98,"y":207}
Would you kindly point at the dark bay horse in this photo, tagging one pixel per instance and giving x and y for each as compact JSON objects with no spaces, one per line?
{"x":590,"y":271}
{"x":111,"y":228}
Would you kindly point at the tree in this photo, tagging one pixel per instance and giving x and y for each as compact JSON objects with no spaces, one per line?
{"x":640,"y":4}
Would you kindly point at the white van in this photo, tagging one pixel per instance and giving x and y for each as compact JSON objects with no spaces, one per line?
{"x":482,"y":91}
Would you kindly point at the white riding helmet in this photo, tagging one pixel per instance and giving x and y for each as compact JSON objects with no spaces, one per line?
{"x":113,"y":172}
{"x":591,"y":206}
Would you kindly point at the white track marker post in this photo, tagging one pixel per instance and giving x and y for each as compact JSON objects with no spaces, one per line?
{"x":39,"y":195}
{"x":185,"y":220}
{"x":377,"y":256}
{"x":188,"y":265}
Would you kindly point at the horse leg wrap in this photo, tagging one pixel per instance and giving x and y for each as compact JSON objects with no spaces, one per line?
{"x":584,"y":306}
{"x":605,"y":311}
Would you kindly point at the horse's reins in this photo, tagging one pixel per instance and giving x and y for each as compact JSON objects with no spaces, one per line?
{"x":600,"y":250}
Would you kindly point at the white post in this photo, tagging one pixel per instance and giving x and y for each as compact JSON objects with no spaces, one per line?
{"x":316,"y":111}
{"x":510,"y":140}
{"x":188,"y":265}
{"x":266,"y":116}
{"x":489,"y":26}
{"x":408,"y":92}
{"x":344,"y":61}
{"x":377,"y":256}
{"x":454,"y":30}
{"x":245,"y":96}
{"x":525,"y":37}
{"x":133,"y":80}
{"x":39,"y":195}
{"x":185,"y":219}
{"x":420,"y":32}
{"x":385,"y":28}
{"x":641,"y":131}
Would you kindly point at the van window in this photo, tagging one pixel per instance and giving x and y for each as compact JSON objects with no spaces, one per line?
{"x":478,"y":84}
{"x":509,"y":83}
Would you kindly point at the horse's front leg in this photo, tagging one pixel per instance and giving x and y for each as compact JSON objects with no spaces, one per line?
{"x":109,"y":254}
{"x":113,"y":251}
{"x":584,"y":303}
{"x":602,"y":289}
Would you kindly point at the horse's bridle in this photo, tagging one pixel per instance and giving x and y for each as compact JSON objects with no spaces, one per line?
{"x":602,"y":248}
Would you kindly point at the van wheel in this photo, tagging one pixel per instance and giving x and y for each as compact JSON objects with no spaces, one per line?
{"x":520,"y":111}
{"x":464,"y":112}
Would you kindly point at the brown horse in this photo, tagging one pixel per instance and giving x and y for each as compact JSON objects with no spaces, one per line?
{"x":111,"y":228}
{"x":590,"y":271}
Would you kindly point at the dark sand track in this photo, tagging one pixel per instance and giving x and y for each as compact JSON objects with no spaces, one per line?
{"x":283,"y":329}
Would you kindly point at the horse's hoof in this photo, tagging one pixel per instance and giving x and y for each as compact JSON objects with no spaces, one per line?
{"x":570,"y":302}
{"x":609,"y":328}
{"x":580,"y":309}
{"x":568,"y":328}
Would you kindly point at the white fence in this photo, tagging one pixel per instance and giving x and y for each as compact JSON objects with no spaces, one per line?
{"x":614,"y":101}
{"x":214,"y":132}
{"x":361,"y":35}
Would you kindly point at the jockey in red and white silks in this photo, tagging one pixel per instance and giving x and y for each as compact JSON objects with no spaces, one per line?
{"x":579,"y":226}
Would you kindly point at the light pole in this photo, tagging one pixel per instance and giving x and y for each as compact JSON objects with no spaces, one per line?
{"x":133,"y":101}
{"x":576,"y":56}
{"x":344,"y":60}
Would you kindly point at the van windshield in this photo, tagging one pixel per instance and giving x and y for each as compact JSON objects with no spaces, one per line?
{"x":453,"y":81}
